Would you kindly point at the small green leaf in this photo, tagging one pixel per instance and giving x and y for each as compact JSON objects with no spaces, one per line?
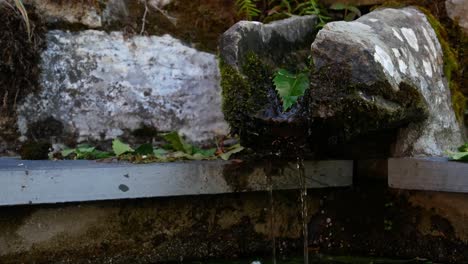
{"x":232,"y":150}
{"x":67,"y":152}
{"x":159,"y":152}
{"x":290,"y":86}
{"x":85,"y":148}
{"x":120,"y":148}
{"x":463,"y":148}
{"x":145,"y":149}
{"x":459,"y":156}
{"x":178,"y":143}
{"x":204,"y":152}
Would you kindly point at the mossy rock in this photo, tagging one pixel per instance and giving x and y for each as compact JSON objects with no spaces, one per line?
{"x":383,"y":72}
{"x":250,"y":54}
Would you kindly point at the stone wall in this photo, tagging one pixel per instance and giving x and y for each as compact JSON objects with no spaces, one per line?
{"x":364,"y":220}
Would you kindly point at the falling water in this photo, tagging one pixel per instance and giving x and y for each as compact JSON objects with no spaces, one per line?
{"x":272,"y":219}
{"x":272,"y":211}
{"x":305,"y":230}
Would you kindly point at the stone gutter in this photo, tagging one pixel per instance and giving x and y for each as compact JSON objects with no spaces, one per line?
{"x":43,"y":182}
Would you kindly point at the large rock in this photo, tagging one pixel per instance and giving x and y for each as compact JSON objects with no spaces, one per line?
{"x":250,"y":52}
{"x":98,"y":86}
{"x":379,"y":76}
{"x":390,"y":75}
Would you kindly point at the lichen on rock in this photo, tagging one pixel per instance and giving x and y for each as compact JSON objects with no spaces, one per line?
{"x":100,"y":86}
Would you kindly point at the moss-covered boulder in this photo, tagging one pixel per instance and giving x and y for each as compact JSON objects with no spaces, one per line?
{"x":381,"y":72}
{"x":381,"y":76}
{"x":250,"y":53}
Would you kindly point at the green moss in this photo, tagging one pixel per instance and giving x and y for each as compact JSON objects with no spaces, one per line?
{"x":244,"y":92}
{"x":355,"y":115}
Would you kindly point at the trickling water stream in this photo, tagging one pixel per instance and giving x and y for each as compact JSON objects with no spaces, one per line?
{"x":300,"y":172}
{"x":269,"y":180}
{"x":303,"y":190}
{"x":272,"y":218}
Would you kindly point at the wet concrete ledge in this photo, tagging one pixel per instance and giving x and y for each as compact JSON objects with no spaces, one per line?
{"x":431,"y":174}
{"x":42,"y":182}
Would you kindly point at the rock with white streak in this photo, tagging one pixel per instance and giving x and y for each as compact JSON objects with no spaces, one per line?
{"x":98,"y":86}
{"x":385,"y":71}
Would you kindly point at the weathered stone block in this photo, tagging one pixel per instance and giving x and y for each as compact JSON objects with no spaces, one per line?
{"x":102,"y":85}
{"x":393,"y":64}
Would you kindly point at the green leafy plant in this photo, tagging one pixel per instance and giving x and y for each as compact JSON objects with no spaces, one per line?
{"x":277,"y":9}
{"x":350,"y":11}
{"x":313,"y":7}
{"x":461,"y":155}
{"x":247,"y":8}
{"x":175,"y":149}
{"x":290,"y":86}
{"x":85,"y":151}
{"x":120,"y":148}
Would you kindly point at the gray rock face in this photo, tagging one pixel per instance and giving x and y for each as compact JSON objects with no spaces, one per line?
{"x":393,"y":65}
{"x":266,"y":40}
{"x":457,"y":10}
{"x":98,"y":86}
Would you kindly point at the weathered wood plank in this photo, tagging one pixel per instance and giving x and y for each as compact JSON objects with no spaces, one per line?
{"x":37,"y":182}
{"x":432,"y":174}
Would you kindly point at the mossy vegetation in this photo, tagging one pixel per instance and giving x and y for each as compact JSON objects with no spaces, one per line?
{"x":362,"y":109}
{"x":246,"y":92}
